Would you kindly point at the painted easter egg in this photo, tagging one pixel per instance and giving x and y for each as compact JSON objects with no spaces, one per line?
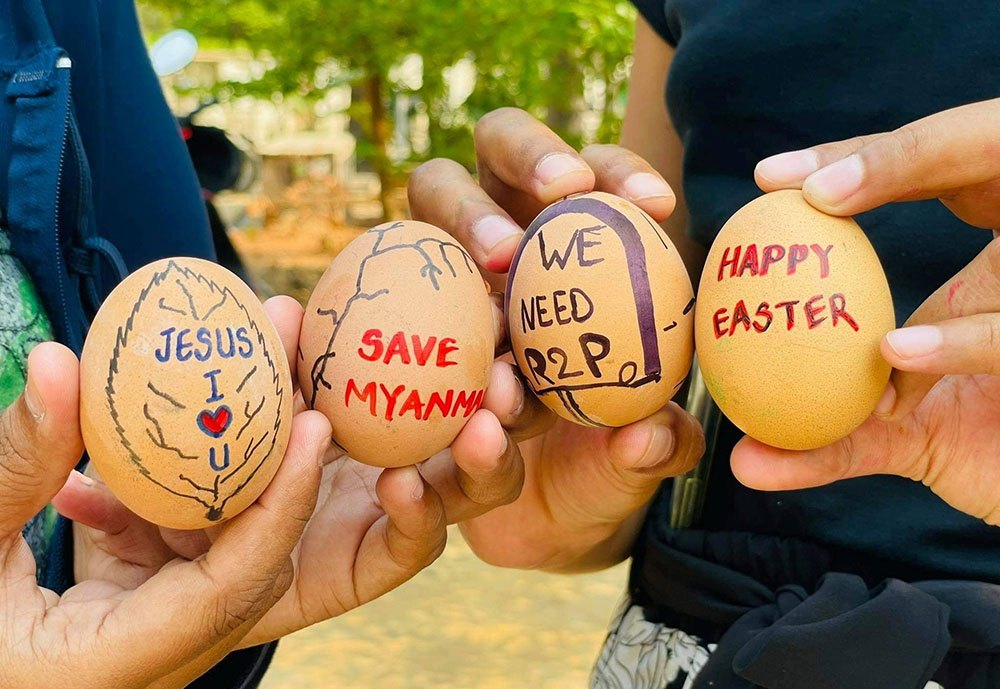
{"x":397,"y":343}
{"x":186,"y":397}
{"x":599,"y":311}
{"x":792,"y":306}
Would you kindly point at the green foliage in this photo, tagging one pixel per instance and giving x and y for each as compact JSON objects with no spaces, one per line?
{"x":540,"y":55}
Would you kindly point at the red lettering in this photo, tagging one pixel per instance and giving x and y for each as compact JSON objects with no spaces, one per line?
{"x":422,"y":354}
{"x":446,"y":347}
{"x":391,"y":399}
{"x":789,"y":312}
{"x":469,"y":401}
{"x":765,"y":311}
{"x":718,"y":322}
{"x":749,"y":260}
{"x":796,"y":254}
{"x":837,"y":304}
{"x":824,"y":258}
{"x":372,"y":338}
{"x":397,"y":347}
{"x":772,"y":254}
{"x":368,"y":395}
{"x":812,"y":311}
{"x":740,"y":315}
{"x":443,"y":404}
{"x":413,"y":404}
{"x":732,"y":262}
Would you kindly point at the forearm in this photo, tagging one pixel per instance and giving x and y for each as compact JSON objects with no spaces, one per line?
{"x":648,"y":131}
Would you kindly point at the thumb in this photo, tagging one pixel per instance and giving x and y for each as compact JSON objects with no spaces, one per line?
{"x":875,"y":447}
{"x":668,"y":443}
{"x":40,"y":439}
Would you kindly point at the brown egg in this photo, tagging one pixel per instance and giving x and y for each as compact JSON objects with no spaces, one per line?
{"x":599,"y":311}
{"x":186,"y":398}
{"x":791,"y":308}
{"x":397,"y":343}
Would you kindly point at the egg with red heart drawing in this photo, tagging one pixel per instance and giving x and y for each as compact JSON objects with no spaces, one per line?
{"x":185,"y":394}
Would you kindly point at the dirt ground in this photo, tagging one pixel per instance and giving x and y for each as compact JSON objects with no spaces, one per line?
{"x":457,"y":625}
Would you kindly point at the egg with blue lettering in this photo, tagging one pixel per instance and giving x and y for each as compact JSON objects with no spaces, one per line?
{"x":792,"y":306}
{"x":397,"y":343}
{"x":186,"y":397}
{"x":599,"y":311}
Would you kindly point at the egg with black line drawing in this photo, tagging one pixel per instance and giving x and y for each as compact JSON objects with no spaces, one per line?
{"x":397,"y":343}
{"x":599,"y":311}
{"x":186,"y":397}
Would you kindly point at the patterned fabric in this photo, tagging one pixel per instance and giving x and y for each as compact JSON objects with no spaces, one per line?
{"x":639,"y":654}
{"x":23,"y":324}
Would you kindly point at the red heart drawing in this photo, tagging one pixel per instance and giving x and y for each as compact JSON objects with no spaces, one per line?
{"x":215,"y":423}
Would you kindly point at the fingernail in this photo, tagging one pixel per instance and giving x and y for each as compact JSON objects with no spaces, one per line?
{"x":416,"y":484}
{"x":661,"y":445}
{"x":324,"y":451}
{"x":556,"y":165}
{"x":492,"y":230}
{"x":645,"y":185}
{"x":887,"y":402}
{"x":837,"y":182}
{"x":33,"y":399}
{"x":788,"y":168}
{"x":915,"y":342}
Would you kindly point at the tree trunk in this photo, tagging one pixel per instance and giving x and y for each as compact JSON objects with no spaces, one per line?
{"x":379,"y":133}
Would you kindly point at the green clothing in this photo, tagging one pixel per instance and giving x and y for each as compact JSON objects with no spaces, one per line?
{"x":23,"y":324}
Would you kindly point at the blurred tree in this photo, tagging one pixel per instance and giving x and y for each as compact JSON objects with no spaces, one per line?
{"x":551,"y":57}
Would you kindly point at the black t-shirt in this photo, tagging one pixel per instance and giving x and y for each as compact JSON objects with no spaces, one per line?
{"x":751,"y":78}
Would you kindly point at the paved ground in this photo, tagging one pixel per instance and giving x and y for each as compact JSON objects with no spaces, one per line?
{"x":458,"y":625}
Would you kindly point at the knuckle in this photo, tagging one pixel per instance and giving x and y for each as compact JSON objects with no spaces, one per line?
{"x":990,"y":339}
{"x":15,"y":458}
{"x":992,"y":255}
{"x":597,"y":149}
{"x":494,"y":118}
{"x":906,"y":144}
{"x":237,"y":601}
{"x":426,"y":173}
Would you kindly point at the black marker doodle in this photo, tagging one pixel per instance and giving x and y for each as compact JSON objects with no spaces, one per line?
{"x":594,"y":347}
{"x":178,"y":383}
{"x":429,"y":271}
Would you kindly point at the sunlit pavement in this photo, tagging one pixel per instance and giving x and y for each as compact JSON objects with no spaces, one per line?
{"x":459,"y":625}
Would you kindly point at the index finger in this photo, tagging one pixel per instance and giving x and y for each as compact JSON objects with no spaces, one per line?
{"x":519,"y":156}
{"x":924,"y":159}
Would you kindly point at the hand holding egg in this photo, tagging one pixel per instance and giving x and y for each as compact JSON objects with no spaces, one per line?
{"x":374,"y":528}
{"x":939,"y":421}
{"x":169,"y":625}
{"x":583,"y":486}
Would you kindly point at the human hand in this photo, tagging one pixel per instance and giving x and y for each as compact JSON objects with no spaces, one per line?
{"x":180,"y":619}
{"x":939,"y":422}
{"x":372,"y":528}
{"x":584,"y":488}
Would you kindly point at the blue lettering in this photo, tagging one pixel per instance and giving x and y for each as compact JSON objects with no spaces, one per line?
{"x":225,"y":461}
{"x":205,"y":337}
{"x":164,"y":355}
{"x":215,"y":388}
{"x":241,"y":335}
{"x":182,"y":347}
{"x":218,"y":342}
